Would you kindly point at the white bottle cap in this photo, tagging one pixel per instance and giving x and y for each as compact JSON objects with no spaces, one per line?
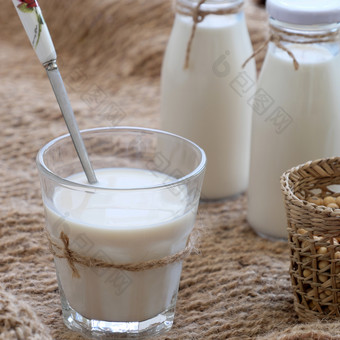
{"x":305,"y":12}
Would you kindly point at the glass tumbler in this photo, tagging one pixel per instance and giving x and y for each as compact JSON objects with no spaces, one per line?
{"x":104,"y":236}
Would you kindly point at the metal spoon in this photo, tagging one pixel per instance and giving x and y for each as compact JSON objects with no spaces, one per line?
{"x":32,"y":19}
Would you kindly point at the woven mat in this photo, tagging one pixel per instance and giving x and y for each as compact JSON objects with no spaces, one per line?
{"x":110,"y":52}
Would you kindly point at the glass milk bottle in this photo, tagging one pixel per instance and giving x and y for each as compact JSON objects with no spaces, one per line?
{"x":205,"y":91}
{"x":297,"y":105}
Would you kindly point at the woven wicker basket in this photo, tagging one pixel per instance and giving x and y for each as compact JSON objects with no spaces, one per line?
{"x":314,"y":238}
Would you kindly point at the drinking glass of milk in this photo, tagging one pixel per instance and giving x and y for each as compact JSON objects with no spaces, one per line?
{"x":296,"y":114}
{"x":205,"y":91}
{"x":118,"y":245}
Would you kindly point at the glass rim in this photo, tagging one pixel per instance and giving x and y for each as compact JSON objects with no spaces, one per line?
{"x":307,"y":28}
{"x":189,"y":5}
{"x":212,"y":2}
{"x":42,"y":167}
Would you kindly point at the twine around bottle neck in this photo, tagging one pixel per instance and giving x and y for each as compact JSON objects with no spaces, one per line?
{"x":278,"y":37}
{"x":198,"y":14}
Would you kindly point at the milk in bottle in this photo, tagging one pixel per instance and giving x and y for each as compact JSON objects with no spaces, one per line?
{"x":199,"y":101}
{"x":297,"y":106}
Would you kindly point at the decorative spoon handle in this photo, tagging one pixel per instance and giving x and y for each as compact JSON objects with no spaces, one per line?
{"x":37,"y":31}
{"x":33,"y":21}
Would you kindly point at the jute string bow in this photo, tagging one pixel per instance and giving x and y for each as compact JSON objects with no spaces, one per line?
{"x":198,"y":15}
{"x":73,"y":258}
{"x":278,"y":37}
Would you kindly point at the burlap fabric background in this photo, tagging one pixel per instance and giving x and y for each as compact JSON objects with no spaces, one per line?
{"x":110,"y":54}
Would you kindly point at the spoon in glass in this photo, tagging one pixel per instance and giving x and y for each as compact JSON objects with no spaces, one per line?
{"x":32,"y":19}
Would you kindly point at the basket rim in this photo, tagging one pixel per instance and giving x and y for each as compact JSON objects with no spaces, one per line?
{"x":290,"y":195}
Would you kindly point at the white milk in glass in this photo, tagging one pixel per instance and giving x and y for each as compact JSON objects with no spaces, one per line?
{"x":121,"y":228}
{"x":311,"y":98}
{"x":205,"y":102}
